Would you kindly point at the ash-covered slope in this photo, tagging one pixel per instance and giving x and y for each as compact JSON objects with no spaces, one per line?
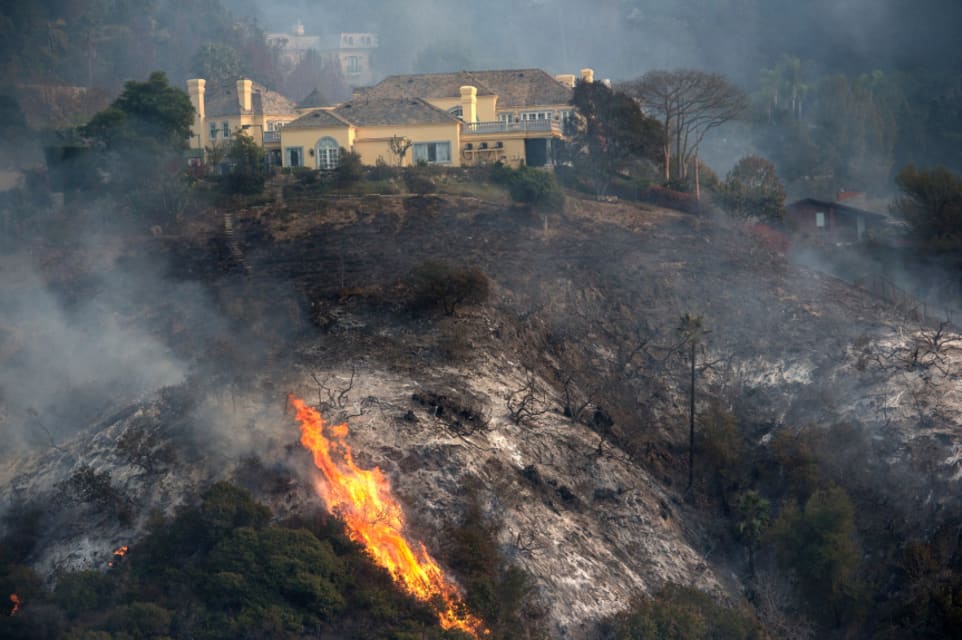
{"x":582,"y":318}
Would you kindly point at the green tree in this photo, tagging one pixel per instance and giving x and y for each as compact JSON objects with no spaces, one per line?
{"x":609,"y":134}
{"x":691,"y":329}
{"x":752,"y":189}
{"x":150,"y":115}
{"x":754,"y":514}
{"x":931,"y":203}
{"x":818,"y":544}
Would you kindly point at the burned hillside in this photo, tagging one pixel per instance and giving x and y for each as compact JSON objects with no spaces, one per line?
{"x":557,"y":402}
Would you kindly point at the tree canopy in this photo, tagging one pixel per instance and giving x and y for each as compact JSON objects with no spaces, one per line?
{"x":931,"y":203}
{"x":752,"y":190}
{"x":151,"y":114}
{"x":610,"y":133}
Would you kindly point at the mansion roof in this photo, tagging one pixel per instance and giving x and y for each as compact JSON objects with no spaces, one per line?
{"x":374,"y":112}
{"x":221,"y":100}
{"x":514,"y":87}
{"x":371,"y":112}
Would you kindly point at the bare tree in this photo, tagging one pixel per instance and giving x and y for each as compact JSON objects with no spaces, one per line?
{"x":527,"y":402}
{"x":689,"y":104}
{"x":399,"y":147}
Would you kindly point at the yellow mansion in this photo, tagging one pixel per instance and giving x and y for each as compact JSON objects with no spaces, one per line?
{"x":452,"y":119}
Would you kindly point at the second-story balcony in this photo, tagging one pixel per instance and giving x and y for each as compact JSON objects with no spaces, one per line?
{"x":488,"y":128}
{"x":272,"y":136}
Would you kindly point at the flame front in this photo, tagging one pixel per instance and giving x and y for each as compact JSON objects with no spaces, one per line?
{"x":374,"y":518}
{"x":15,"y":599}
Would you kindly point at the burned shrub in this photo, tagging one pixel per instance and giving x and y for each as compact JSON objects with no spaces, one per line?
{"x":456,"y":410}
{"x":418,"y":181}
{"x":88,"y":486}
{"x":142,"y":447}
{"x":435,"y":284}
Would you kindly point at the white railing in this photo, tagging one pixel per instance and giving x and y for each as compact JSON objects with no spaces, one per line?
{"x":272,"y":136}
{"x":472,"y":128}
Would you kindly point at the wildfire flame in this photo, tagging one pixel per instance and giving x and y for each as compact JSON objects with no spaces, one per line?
{"x":374,"y":518}
{"x":119,"y":552}
{"x":15,"y":599}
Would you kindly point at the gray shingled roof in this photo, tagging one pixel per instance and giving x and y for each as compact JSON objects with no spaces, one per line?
{"x":514,"y":87}
{"x":317,"y":118}
{"x":221,"y":100}
{"x":386,"y":111}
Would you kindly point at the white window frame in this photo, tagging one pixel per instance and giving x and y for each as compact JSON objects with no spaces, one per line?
{"x":536,"y":115}
{"x":353,"y":64}
{"x":213,"y":130}
{"x":327,"y":153}
{"x":820,"y":219}
{"x":226,"y":128}
{"x":288,"y":160}
{"x":422,"y":152}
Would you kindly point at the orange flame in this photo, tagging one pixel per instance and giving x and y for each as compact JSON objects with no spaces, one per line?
{"x":374,"y":518}
{"x":15,"y":599}
{"x":119,"y":552}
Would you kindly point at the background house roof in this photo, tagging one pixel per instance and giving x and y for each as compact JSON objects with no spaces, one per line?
{"x":313,"y":100}
{"x":317,"y":118}
{"x":514,"y":87}
{"x":837,"y":206}
{"x":221,"y":100}
{"x":386,"y":111}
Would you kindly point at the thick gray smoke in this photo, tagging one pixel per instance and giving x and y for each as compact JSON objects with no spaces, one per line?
{"x":72,"y":354}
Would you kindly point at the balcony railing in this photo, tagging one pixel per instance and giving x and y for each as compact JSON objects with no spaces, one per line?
{"x":487,"y":128}
{"x":272,"y":136}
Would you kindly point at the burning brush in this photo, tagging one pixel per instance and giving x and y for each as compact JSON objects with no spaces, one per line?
{"x":374,"y":518}
{"x":119,"y":552}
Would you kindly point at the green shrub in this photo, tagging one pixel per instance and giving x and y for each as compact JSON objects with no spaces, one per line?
{"x":682,"y":613}
{"x":349,"y":168}
{"x":247,"y":169}
{"x":533,"y":187}
{"x":382,"y":170}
